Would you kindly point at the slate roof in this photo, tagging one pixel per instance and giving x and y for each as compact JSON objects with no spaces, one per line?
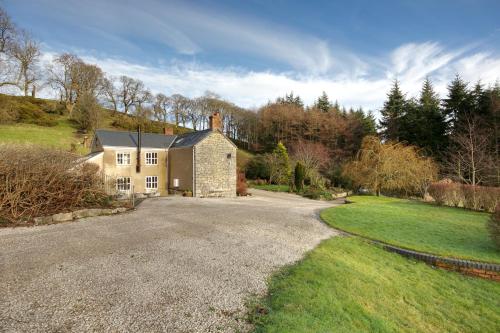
{"x":190,"y":139}
{"x":129,"y":139}
{"x":150,"y":140}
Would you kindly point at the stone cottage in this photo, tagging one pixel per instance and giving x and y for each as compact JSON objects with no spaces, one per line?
{"x":202,"y":162}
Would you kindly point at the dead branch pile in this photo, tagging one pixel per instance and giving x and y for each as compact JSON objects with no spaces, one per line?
{"x":37,"y":181}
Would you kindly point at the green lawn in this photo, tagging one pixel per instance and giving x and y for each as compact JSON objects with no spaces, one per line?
{"x":424,"y":227}
{"x":348,"y":285}
{"x":60,"y":136}
{"x":271,"y":187}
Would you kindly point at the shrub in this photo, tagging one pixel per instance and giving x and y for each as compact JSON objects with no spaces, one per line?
{"x":259,"y":181}
{"x":124,"y":122}
{"x":438,"y":192}
{"x":279,"y":165}
{"x":391,"y":167}
{"x":26,"y":110}
{"x":37,"y":181}
{"x":489,"y":198}
{"x":87,"y":112}
{"x":494,"y":226}
{"x":317,"y":193}
{"x":257,"y":168}
{"x":467,"y":196}
{"x":241,"y":184}
{"x":299,"y":176}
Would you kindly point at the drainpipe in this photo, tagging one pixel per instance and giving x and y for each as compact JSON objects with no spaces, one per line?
{"x":139,"y":143}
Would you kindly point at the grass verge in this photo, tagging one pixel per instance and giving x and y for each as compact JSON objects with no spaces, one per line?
{"x":347,"y":285}
{"x":446,"y":231}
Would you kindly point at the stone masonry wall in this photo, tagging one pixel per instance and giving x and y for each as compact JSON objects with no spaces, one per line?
{"x":215,"y":167}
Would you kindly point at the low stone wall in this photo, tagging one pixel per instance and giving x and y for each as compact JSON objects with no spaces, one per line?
{"x":78,"y":214}
{"x":469,"y":267}
{"x":483,"y":270}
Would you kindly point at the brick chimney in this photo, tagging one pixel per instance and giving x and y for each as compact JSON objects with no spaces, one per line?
{"x":215,"y":122}
{"x":168,"y":130}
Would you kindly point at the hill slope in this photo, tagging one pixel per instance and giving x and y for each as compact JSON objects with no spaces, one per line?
{"x":45,"y":122}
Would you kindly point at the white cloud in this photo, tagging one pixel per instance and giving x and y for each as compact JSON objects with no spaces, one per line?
{"x":192,"y":30}
{"x":410,"y":63}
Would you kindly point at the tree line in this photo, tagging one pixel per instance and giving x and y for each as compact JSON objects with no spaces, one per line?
{"x":461,"y":130}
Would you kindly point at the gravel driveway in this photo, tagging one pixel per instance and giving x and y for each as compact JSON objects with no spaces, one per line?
{"x":174,"y":265}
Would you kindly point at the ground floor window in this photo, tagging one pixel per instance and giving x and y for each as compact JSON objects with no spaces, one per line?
{"x":123,"y":183}
{"x":151,"y":182}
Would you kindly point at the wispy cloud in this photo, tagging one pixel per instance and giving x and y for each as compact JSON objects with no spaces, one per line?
{"x":410,"y":63}
{"x":189,"y":29}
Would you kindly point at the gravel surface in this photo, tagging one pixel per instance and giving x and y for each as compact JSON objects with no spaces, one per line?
{"x":173,"y":265}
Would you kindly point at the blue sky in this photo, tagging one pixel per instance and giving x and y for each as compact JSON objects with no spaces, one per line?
{"x":253,"y":51}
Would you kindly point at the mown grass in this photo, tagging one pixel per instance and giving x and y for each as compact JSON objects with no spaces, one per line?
{"x":347,"y":285}
{"x":415,"y":225}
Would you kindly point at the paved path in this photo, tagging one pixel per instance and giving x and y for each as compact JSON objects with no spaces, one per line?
{"x":174,"y":265}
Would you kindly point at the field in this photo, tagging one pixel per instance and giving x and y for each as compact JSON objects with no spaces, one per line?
{"x":419,"y":226}
{"x":348,"y":285}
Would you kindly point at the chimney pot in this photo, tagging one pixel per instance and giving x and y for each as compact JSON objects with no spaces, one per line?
{"x":168,"y":130}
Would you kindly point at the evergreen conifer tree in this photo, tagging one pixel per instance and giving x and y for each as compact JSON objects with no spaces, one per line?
{"x":392,"y":113}
{"x":323,"y":103}
{"x":458,"y":105}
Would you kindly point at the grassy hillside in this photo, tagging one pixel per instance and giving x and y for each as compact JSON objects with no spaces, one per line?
{"x":45,"y":122}
{"x":62,"y":136}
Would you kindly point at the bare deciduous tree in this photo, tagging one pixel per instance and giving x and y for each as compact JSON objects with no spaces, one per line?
{"x":75,"y":78}
{"x":129,"y":92}
{"x":110,"y":92}
{"x":472,"y":160}
{"x":8,"y":34}
{"x":60,"y":77}
{"x":27,"y":54}
{"x":313,"y":156}
{"x":179,"y":109}
{"x":7,"y":31}
{"x":161,"y":107}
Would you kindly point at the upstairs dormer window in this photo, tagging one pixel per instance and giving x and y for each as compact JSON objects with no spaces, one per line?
{"x":151,"y":158}
{"x":122,"y":158}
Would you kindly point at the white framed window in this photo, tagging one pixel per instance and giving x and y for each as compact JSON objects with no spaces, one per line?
{"x":151,"y":183}
{"x":123,"y":183}
{"x":122,"y":158}
{"x":151,"y":158}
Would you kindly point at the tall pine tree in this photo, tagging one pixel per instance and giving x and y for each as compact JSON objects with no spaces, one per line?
{"x":323,"y":103}
{"x":392,"y":113}
{"x":430,"y":124}
{"x":458,"y":105}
